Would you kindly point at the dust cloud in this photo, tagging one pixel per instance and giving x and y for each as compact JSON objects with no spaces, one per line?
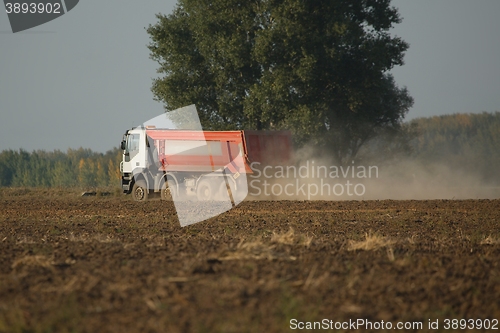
{"x":313,"y":175}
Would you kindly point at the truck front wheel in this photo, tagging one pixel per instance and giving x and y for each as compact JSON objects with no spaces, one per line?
{"x":140,"y":191}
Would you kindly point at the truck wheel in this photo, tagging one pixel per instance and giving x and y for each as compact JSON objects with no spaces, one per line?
{"x":167,"y":192}
{"x":224,"y":192}
{"x":205,"y":190}
{"x":140,"y":191}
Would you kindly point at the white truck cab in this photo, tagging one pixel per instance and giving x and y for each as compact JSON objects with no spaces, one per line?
{"x":134,"y":147}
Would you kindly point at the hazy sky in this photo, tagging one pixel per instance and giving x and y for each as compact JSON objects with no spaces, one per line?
{"x":84,"y":78}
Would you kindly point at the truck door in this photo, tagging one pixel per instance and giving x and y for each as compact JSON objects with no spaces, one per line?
{"x":132,"y":158}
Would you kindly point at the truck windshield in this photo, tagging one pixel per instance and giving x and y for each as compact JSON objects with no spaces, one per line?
{"x":133,"y":144}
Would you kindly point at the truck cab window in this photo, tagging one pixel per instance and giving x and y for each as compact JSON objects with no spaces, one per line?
{"x":133,"y":145}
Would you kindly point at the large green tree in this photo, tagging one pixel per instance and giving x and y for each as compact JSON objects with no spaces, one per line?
{"x":319,"y":68}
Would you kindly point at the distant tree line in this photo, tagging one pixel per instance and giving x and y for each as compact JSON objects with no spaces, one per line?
{"x":75,"y":168}
{"x":465,"y":142}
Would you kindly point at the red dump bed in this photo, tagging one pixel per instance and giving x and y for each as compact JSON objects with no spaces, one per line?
{"x":269,"y":147}
{"x":207,"y":151}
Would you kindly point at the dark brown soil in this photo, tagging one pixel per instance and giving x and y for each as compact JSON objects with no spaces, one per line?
{"x":73,"y":264}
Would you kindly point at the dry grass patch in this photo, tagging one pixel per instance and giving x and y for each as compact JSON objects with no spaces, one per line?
{"x":254,"y":249}
{"x":291,"y":238}
{"x":25,"y":240}
{"x":490,"y":241}
{"x":371,"y":242}
{"x":38,"y":260}
{"x":86,"y":238}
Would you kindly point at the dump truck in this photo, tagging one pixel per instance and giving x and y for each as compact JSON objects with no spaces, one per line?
{"x":205,"y":165}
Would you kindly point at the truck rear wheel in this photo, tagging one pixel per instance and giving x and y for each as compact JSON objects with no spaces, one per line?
{"x":167,"y":192}
{"x":228,"y":191}
{"x":140,"y":191}
{"x":225,"y":192}
{"x":206,"y":190}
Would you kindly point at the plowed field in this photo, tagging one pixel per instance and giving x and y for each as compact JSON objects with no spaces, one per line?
{"x":92,"y":264}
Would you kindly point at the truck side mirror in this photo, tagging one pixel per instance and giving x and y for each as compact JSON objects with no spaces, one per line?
{"x":122,"y":145}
